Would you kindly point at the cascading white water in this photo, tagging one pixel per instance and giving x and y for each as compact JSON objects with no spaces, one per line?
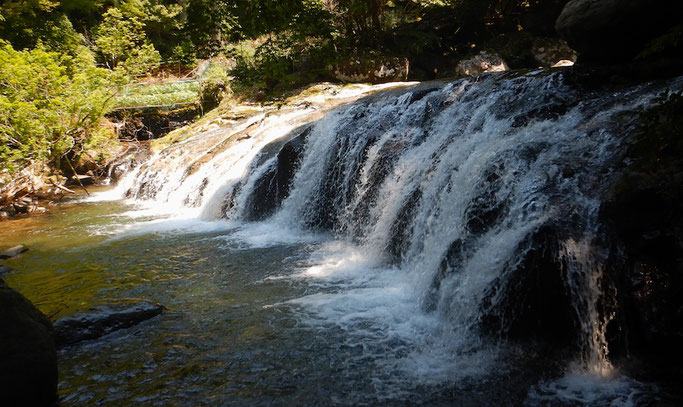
{"x":436,"y":191}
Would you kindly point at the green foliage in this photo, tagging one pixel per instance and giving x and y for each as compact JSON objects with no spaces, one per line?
{"x":51,"y":104}
{"x":215,"y":85}
{"x":26,"y":23}
{"x":120,"y":40}
{"x":163,"y":94}
{"x":281,"y":63}
{"x":210,"y":24}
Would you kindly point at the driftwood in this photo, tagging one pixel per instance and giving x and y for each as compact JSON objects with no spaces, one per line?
{"x":63,"y":188}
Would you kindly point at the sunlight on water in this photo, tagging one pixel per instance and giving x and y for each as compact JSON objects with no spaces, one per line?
{"x":370,"y":282}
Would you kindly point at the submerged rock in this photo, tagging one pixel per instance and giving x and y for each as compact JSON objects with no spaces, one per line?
{"x":28,"y":359}
{"x":13,"y":252}
{"x":102,"y":320}
{"x":4,"y":270}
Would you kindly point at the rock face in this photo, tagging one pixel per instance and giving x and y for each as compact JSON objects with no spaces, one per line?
{"x":373,"y":70}
{"x":102,"y":320}
{"x":273,"y":187}
{"x":13,"y":252}
{"x":481,"y":63}
{"x":649,"y":233}
{"x":28,"y":359}
{"x":536,"y":304}
{"x":613,"y":31}
{"x":134,"y":154}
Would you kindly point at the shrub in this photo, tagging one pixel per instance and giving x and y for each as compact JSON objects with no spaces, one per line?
{"x":51,"y":104}
{"x":215,"y":85}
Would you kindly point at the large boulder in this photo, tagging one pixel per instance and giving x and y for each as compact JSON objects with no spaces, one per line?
{"x":28,"y":359}
{"x":613,"y":31}
{"x":102,"y":320}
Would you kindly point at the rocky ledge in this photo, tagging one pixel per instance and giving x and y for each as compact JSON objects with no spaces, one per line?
{"x":102,"y":320}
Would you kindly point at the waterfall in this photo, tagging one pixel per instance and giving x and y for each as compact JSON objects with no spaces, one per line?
{"x":459,"y":187}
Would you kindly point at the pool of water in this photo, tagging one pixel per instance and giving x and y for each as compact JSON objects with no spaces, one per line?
{"x":241,"y":326}
{"x":256,"y":315}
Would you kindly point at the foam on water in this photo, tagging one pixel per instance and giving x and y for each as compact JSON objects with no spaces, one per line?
{"x":579,"y":388}
{"x":418,"y":208}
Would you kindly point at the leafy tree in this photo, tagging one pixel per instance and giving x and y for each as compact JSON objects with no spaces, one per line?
{"x":120,"y":39}
{"x":24,"y":23}
{"x":51,"y":104}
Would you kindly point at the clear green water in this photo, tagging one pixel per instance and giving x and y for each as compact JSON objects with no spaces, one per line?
{"x":242,"y":326}
{"x":227,"y":338}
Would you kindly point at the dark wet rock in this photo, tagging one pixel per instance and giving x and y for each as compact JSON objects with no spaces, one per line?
{"x":486,"y":209}
{"x":613,"y":31}
{"x":135,"y":154}
{"x":28,"y":359}
{"x":102,"y":320}
{"x":401,"y":230}
{"x":13,"y":252}
{"x":455,"y":256}
{"x":9,"y":210}
{"x":567,"y":172}
{"x":535,"y":301}
{"x":273,"y":186}
{"x":547,"y":112}
{"x":645,"y":215}
{"x":23,"y":205}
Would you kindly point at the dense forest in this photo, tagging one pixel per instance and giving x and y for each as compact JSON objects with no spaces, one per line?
{"x":64,"y":63}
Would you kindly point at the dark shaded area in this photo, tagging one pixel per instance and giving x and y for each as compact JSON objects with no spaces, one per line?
{"x":401,"y":230}
{"x":615,"y":31}
{"x":644,"y":211}
{"x":151,"y":123}
{"x":102,"y":320}
{"x":536,"y":301}
{"x":28,"y":359}
{"x":4,"y":270}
